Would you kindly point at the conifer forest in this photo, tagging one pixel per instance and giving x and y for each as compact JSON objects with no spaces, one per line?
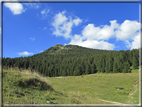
{"x":73,"y":60}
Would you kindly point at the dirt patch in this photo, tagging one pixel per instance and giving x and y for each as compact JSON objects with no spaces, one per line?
{"x":110,"y":102}
{"x":58,"y":77}
{"x":134,"y":88}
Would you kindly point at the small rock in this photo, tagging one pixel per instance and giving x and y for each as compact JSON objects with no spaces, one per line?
{"x":135,"y":101}
{"x":48,"y":102}
{"x":118,"y":89}
{"x":10,"y":81}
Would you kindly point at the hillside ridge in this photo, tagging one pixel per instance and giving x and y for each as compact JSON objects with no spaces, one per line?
{"x":72,"y":60}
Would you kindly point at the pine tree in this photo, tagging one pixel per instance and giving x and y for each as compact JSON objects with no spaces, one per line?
{"x":135,"y":61}
{"x":76,"y":71}
{"x":126,"y":67}
{"x":47,"y":71}
{"x":93,"y":68}
{"x":123,"y":56}
{"x":110,"y":63}
{"x":130,"y":57}
{"x":82,"y":67}
{"x":103,"y":63}
{"x":107,"y":65}
{"x":119,"y":62}
{"x":26,"y":64}
{"x":115,"y":67}
{"x":87,"y":69}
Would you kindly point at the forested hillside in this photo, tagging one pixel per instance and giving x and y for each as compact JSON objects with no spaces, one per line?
{"x":73,"y":60}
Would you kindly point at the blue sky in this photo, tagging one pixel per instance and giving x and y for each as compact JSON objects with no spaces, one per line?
{"x":30,"y":28}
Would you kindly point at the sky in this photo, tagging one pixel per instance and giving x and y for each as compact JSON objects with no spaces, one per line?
{"x":31,"y":28}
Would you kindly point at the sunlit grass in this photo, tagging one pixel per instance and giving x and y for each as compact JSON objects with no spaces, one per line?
{"x":85,"y":89}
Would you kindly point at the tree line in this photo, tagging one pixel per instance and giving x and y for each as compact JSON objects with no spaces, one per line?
{"x":76,"y":63}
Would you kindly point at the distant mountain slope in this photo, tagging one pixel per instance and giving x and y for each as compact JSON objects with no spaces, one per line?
{"x":75,"y":60}
{"x":70,"y":51}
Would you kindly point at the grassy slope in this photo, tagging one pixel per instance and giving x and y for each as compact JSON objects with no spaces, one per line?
{"x":86,"y":89}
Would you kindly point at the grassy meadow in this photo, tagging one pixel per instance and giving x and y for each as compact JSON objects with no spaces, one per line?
{"x":25,"y":87}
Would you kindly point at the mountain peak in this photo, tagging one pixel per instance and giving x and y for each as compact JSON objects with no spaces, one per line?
{"x":58,"y":45}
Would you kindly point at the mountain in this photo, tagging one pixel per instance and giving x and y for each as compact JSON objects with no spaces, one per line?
{"x":70,"y":51}
{"x":75,"y":60}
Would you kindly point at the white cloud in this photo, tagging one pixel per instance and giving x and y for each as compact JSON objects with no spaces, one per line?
{"x":93,"y":37}
{"x":25,"y":53}
{"x":78,"y":40}
{"x":100,"y":33}
{"x":15,"y":8}
{"x":97,"y":36}
{"x":77,"y":21}
{"x":32,"y":5}
{"x":63,"y":24}
{"x":32,"y":38}
{"x":136,"y":42}
{"x":90,"y":31}
{"x":127,"y":30}
{"x":65,"y":44}
{"x":45,"y":11}
{"x":59,"y":19}
{"x":128,"y":44}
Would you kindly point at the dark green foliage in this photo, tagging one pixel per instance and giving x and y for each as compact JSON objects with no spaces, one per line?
{"x":126,"y":67}
{"x":76,"y":71}
{"x":135,"y":59}
{"x":72,"y":60}
{"x":35,"y":84}
{"x":109,"y":63}
{"x":115,"y":68}
{"x":93,"y":68}
{"x":115,"y":65}
{"x":86,"y":69}
{"x":119,"y":62}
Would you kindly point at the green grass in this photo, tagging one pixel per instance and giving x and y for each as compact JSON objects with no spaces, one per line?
{"x":85,"y":89}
